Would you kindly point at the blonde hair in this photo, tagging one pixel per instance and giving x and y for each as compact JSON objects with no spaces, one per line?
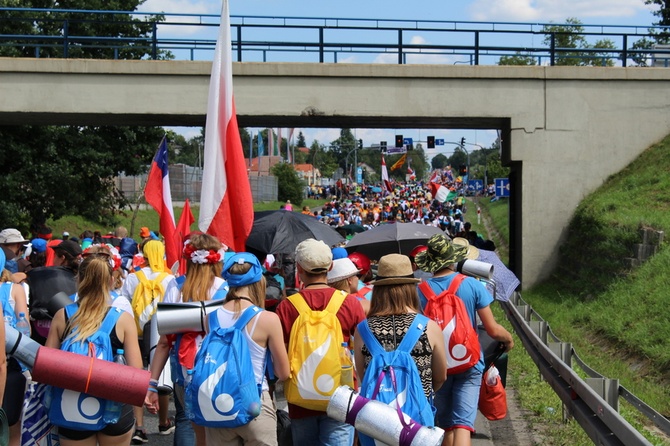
{"x":256,"y":290}
{"x":200,"y":276}
{"x":342,"y":284}
{"x":394,"y":299}
{"x":95,"y":275}
{"x":6,"y":276}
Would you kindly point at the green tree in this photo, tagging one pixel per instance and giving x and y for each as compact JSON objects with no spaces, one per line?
{"x":439,"y":161}
{"x":119,"y":36}
{"x":50,"y":171}
{"x":301,"y":140}
{"x":658,"y":35}
{"x":570,"y":45}
{"x":517,"y":59}
{"x":56,"y":171}
{"x":289,"y":185}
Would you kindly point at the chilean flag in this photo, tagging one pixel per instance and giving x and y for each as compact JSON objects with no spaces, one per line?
{"x":226,"y":205}
{"x":158,"y":195}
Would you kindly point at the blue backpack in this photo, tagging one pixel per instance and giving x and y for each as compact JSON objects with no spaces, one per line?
{"x":223,"y":391}
{"x":76,"y":410}
{"x":393,"y":378}
{"x":5,"y":296}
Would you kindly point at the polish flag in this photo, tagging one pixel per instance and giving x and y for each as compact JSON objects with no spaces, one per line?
{"x":385,"y":177}
{"x":183,"y":230}
{"x":158,"y":195}
{"x":226,"y":205}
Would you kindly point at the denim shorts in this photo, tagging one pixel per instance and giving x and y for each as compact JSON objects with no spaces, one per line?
{"x":321,"y":430}
{"x":457,"y":400}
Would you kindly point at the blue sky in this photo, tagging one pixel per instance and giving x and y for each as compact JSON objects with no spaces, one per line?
{"x":590,"y":12}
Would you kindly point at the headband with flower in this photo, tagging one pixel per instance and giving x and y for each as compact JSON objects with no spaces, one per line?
{"x":202,"y":256}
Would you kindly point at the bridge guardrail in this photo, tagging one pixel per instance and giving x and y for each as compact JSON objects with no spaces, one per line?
{"x":259,"y":38}
{"x":593,"y":401}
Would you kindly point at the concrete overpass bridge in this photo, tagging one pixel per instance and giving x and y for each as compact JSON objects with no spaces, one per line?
{"x":564,"y":129}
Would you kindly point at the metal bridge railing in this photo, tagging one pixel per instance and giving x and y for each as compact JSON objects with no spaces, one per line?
{"x":300,"y":39}
{"x":592,"y":401}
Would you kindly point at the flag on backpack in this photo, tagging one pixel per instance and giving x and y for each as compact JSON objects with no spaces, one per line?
{"x":76,"y":410}
{"x":146,"y":296}
{"x":223,"y":392}
{"x":393,"y":378}
{"x":460,"y":338}
{"x":314,"y":353}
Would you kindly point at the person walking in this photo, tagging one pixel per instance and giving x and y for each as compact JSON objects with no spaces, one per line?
{"x":314,"y":259}
{"x":457,"y":400}
{"x":94,"y":304}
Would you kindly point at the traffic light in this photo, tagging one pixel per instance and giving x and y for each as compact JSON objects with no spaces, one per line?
{"x":399,"y":141}
{"x":431,"y":142}
{"x":360,"y":144}
{"x":463,"y":170}
{"x":382,"y":146}
{"x":462,"y":141}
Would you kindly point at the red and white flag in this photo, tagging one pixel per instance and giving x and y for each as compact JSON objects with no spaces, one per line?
{"x":385,"y":177}
{"x":183,"y":230}
{"x":158,"y":195}
{"x":226,"y":205}
{"x":411,"y":173}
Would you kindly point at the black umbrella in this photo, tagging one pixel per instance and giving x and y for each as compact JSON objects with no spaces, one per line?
{"x":391,"y":238}
{"x":353,"y":228}
{"x":279,"y":232}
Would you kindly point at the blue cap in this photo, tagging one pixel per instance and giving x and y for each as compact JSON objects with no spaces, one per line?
{"x":39,"y":244}
{"x":339,"y":253}
{"x":252,"y":276}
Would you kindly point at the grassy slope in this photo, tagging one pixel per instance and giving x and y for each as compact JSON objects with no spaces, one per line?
{"x":616,"y":318}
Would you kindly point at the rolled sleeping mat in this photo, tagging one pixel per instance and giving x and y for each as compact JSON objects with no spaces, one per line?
{"x":183,"y":317}
{"x":379,"y":421}
{"x":475,"y":268}
{"x":165,"y":385}
{"x":97,"y":377}
{"x":58,"y":301}
{"x":20,"y":347}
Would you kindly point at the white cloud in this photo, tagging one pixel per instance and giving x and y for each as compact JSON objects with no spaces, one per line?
{"x":552,"y":10}
{"x":183,"y":7}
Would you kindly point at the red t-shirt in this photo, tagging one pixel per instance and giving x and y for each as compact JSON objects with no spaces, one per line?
{"x":350,"y":315}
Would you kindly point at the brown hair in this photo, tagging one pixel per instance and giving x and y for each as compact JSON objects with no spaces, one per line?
{"x":256,"y":290}
{"x":200,"y":276}
{"x":394,"y":299}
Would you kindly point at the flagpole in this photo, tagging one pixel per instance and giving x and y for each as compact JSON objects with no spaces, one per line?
{"x":251,"y":148}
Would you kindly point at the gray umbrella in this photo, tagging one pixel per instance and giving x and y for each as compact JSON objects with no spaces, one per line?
{"x":391,"y":238}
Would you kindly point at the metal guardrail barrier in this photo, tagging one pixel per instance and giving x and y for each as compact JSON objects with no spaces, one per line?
{"x":302,"y":39}
{"x":593,"y":401}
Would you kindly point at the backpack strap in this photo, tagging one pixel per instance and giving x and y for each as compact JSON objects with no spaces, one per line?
{"x":373,"y":345}
{"x":455,"y":283}
{"x":299,"y":303}
{"x":336,"y":301}
{"x":110,"y":320}
{"x":413,"y":333}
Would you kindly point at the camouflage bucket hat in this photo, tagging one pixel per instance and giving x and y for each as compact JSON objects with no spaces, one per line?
{"x":440,"y":254}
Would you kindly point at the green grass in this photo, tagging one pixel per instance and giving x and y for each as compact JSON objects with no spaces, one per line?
{"x":615,"y":317}
{"x":147,"y":217}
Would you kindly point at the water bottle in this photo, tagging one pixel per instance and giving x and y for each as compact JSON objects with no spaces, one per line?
{"x":347,"y":372}
{"x":113,"y":408}
{"x":188,"y":405}
{"x":23,"y":325}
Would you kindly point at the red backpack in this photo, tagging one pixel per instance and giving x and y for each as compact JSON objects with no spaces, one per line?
{"x":460,"y":338}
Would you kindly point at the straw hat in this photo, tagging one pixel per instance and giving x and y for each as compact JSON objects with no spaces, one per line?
{"x":472,"y":252}
{"x":440,"y":254}
{"x":394,"y":269}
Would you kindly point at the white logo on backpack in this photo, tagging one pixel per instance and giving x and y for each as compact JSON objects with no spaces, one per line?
{"x":324,"y":383}
{"x":455,"y":354}
{"x":215,"y":411}
{"x":87,"y":410}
